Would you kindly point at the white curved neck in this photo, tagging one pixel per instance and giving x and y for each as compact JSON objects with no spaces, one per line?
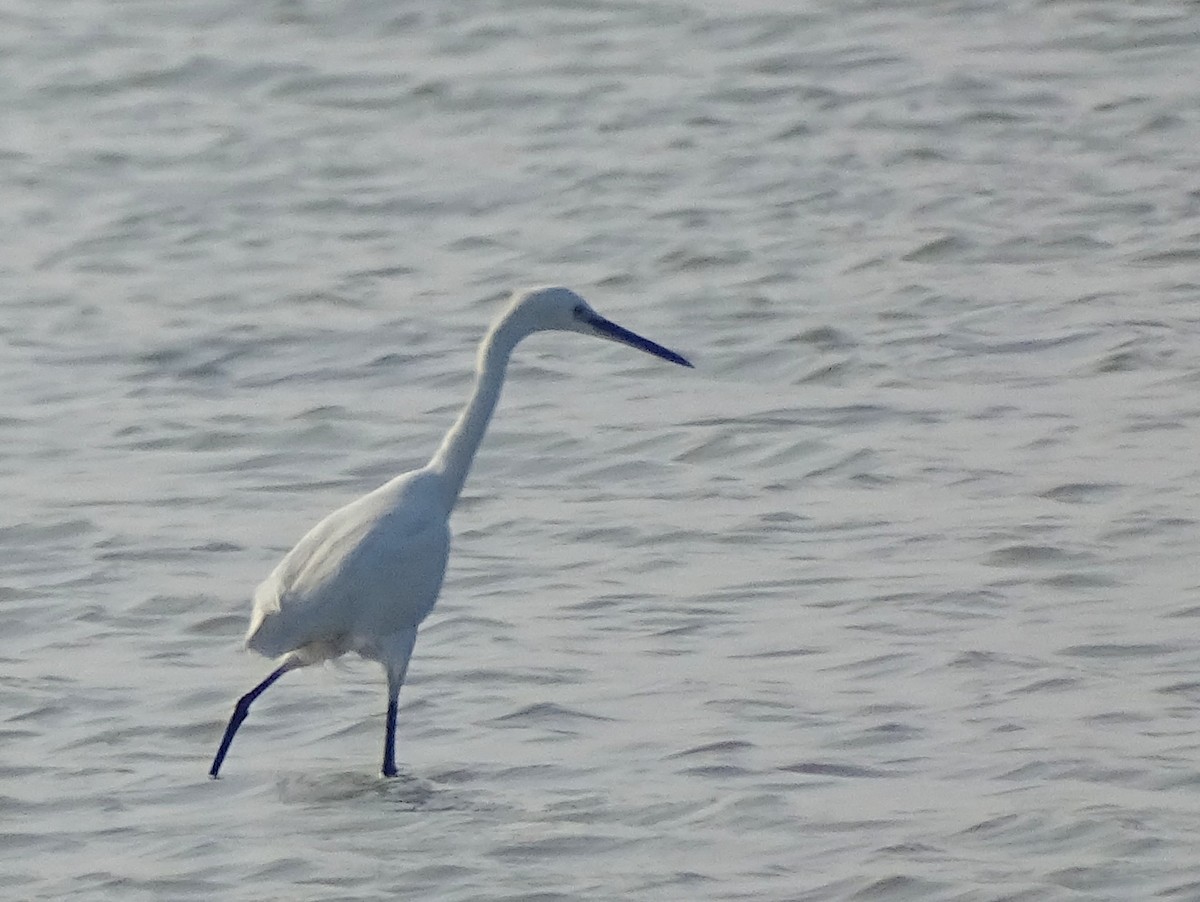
{"x":453,"y":458}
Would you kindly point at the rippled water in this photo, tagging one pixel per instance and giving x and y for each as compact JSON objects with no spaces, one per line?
{"x":895,"y":598}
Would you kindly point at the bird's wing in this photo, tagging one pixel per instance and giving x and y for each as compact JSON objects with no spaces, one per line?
{"x":370,"y":568}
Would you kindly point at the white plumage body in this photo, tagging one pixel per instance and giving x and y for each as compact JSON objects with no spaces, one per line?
{"x":363,"y":577}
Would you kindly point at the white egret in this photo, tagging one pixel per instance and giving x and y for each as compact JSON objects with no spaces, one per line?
{"x":364,"y":578}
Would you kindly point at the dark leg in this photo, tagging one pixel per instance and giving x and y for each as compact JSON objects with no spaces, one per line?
{"x":240,"y":710}
{"x":389,"y":740}
{"x":400,"y":648}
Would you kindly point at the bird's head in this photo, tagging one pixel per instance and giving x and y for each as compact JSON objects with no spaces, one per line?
{"x":562,"y":309}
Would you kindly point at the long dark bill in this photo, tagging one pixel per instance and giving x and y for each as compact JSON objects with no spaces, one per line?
{"x":609,"y":329}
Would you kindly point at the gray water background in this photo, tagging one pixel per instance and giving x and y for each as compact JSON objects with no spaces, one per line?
{"x":894,"y":598}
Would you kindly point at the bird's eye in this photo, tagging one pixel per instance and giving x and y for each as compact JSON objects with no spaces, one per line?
{"x":579,"y":311}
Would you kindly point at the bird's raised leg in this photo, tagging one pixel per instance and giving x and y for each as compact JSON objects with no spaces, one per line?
{"x":397,"y":666}
{"x":242,"y":708}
